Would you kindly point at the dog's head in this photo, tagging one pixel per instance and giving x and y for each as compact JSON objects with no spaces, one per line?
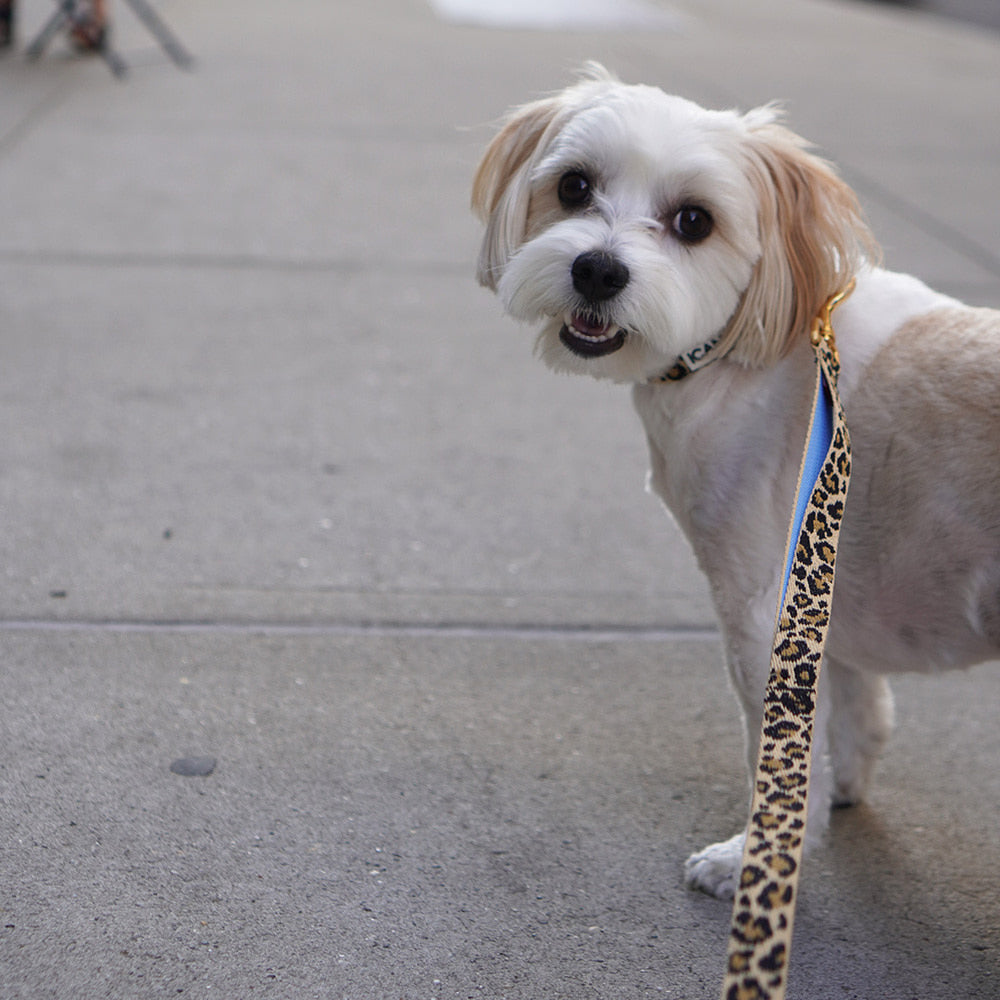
{"x":639,"y":226}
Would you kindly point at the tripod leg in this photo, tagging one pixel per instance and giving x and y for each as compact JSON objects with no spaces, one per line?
{"x":158,"y":27}
{"x":116,"y":64}
{"x":89,"y":33}
{"x":54,"y":24}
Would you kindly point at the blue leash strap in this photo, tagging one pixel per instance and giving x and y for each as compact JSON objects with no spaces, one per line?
{"x":817,"y":446}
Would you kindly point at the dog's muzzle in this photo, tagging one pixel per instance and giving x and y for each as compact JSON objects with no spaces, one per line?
{"x":597,"y":276}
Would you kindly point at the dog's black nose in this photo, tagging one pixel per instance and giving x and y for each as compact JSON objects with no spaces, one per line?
{"x":598,"y":275}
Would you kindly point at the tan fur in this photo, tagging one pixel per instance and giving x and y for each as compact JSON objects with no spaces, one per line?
{"x":522,"y":133}
{"x":507,"y":152}
{"x":926,"y":452}
{"x":814,"y":239}
{"x":496,"y":199}
{"x":492,"y":185}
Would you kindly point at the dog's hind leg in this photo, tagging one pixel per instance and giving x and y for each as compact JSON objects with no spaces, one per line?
{"x":861,"y":718}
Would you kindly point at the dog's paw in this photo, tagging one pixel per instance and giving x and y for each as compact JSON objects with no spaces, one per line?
{"x":716,"y":869}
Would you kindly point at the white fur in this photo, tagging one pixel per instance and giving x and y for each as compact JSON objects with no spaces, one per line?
{"x":691,"y":293}
{"x":918,"y":579}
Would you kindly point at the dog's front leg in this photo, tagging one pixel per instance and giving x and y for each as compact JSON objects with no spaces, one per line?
{"x":716,"y":868}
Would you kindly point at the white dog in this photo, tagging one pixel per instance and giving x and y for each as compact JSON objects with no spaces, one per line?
{"x":650,"y":237}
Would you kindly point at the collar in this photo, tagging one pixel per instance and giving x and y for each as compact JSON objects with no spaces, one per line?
{"x":700,"y":357}
{"x":690,"y":362}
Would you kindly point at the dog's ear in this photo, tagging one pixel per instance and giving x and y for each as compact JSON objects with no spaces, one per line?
{"x":814,"y":240}
{"x":500,"y":193}
{"x":500,"y":189}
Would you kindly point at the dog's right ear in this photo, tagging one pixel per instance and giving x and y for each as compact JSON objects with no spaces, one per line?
{"x":814,"y":238}
{"x":500,"y":191}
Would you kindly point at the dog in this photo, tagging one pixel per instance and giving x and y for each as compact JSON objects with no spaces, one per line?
{"x":685,"y":252}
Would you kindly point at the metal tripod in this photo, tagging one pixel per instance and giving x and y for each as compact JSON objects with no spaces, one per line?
{"x":68,"y":12}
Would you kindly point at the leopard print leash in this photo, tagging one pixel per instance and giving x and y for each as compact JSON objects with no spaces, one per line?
{"x":764,"y":908}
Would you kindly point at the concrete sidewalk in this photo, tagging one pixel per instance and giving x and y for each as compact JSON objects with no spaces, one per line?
{"x":281,"y":487}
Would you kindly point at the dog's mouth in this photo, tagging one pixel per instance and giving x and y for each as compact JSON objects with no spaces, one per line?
{"x":588,"y":337}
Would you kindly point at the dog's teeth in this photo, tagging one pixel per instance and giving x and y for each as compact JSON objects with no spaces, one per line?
{"x":594,"y":339}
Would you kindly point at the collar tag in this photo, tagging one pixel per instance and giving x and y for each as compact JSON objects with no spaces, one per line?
{"x":689,"y":362}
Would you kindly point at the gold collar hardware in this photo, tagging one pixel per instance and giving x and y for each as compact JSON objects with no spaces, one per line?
{"x":822,"y":325}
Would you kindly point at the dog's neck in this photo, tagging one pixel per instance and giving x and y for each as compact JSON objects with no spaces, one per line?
{"x":700,"y":357}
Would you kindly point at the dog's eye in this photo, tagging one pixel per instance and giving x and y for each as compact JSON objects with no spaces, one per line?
{"x":574,"y":190}
{"x":692,"y":224}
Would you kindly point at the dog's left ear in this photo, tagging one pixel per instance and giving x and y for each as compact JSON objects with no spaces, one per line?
{"x":500,"y":192}
{"x":814,"y":240}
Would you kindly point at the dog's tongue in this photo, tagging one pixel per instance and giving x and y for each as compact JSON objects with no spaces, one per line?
{"x":589,"y":327}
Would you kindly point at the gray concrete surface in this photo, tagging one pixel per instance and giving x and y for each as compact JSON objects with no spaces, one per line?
{"x":981,"y":12}
{"x":280,"y":486}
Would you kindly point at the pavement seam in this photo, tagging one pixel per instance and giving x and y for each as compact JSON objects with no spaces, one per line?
{"x":230,"y":262}
{"x":486,"y":630}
